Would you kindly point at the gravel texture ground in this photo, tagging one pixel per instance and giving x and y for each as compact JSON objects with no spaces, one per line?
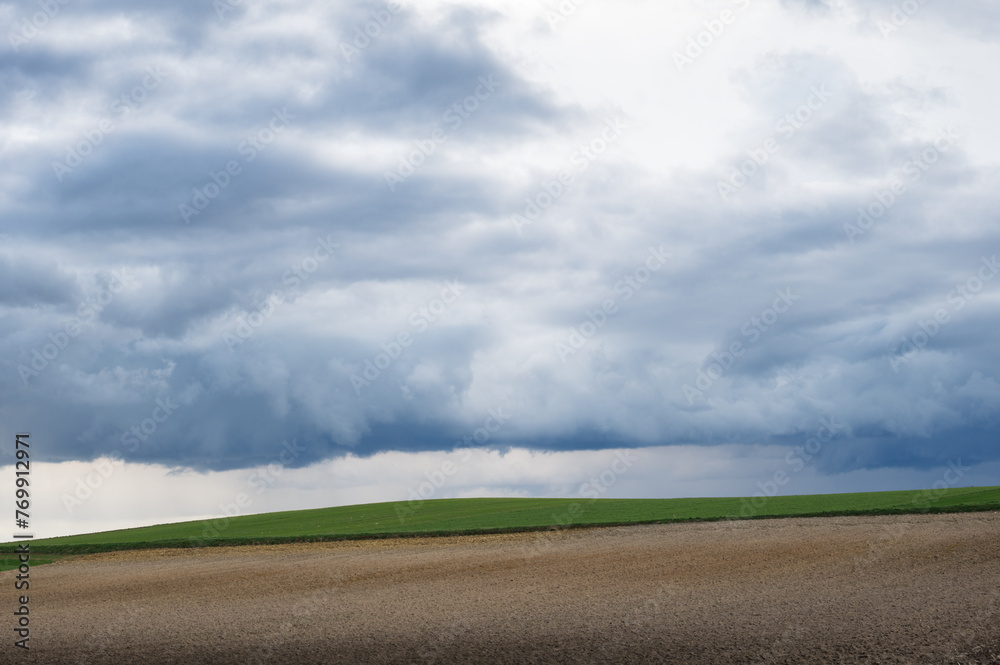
{"x":909,"y":589}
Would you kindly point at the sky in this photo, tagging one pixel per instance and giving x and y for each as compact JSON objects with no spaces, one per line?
{"x":311,"y":253}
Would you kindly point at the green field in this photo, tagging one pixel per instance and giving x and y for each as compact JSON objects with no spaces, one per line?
{"x":466,"y":516}
{"x":10,"y":561}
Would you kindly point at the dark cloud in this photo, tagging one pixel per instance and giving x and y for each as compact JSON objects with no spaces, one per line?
{"x":275,"y":312}
{"x":29,"y":283}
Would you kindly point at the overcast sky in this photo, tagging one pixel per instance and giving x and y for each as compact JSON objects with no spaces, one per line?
{"x":358,"y":241}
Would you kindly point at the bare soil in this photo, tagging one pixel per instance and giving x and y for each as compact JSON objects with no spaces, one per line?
{"x":901,"y":589}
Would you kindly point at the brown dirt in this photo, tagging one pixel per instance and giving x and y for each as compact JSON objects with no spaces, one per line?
{"x":910,"y":589}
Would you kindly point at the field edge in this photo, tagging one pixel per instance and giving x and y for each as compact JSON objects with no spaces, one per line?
{"x":41,"y":547}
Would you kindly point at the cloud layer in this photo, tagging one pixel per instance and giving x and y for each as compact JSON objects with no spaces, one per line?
{"x":376,"y":227}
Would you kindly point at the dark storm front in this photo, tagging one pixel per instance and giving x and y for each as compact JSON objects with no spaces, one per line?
{"x":22,"y":502}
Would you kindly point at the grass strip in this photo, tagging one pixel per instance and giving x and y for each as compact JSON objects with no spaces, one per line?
{"x":451,"y":517}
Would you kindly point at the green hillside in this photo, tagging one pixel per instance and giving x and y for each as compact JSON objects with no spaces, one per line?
{"x":460,"y":516}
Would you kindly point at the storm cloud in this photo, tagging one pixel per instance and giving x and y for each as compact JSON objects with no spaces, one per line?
{"x":401,"y":227}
